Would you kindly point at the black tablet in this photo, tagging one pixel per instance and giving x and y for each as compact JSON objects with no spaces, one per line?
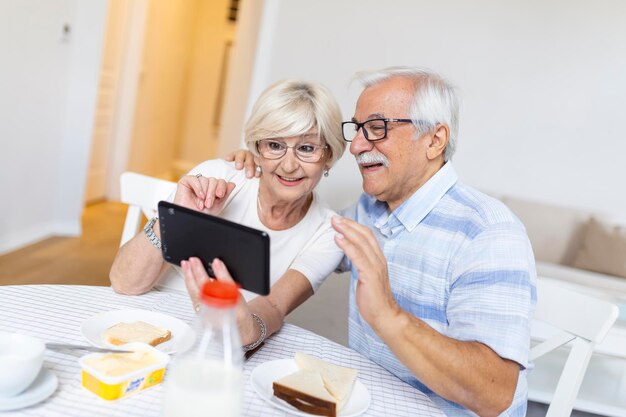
{"x":244,"y":250}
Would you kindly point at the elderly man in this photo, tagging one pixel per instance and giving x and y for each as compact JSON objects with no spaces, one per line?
{"x":443,"y":276}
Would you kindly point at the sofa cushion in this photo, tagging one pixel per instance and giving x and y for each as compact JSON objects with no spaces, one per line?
{"x":603,"y":249}
{"x":554,"y":232}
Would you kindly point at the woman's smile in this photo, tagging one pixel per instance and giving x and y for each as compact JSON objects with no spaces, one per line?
{"x":288,"y":181}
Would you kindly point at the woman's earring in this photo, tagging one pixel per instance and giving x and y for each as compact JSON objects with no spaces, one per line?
{"x":326,"y":172}
{"x":258,"y":169}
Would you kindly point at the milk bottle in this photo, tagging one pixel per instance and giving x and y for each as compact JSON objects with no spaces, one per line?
{"x":208,"y":379}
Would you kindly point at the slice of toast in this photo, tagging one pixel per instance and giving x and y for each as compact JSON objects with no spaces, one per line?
{"x":305,"y":390}
{"x":338,"y":380}
{"x":138,"y":331}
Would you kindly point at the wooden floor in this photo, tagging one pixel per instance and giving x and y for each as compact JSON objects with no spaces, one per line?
{"x":68,"y":260}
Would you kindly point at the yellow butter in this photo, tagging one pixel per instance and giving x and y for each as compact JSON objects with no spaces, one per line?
{"x":116,"y":364}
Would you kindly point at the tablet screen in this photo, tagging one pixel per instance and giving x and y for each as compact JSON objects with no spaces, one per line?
{"x":244,"y":250}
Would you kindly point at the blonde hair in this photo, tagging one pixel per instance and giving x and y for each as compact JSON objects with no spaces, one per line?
{"x":292,"y":108}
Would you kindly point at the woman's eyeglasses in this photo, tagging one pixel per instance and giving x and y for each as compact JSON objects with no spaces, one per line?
{"x":275,"y":149}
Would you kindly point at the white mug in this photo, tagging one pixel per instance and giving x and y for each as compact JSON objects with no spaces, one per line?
{"x":21,"y":358}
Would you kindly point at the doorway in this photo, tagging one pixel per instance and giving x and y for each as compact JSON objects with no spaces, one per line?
{"x":104,"y":120}
{"x":161,"y":89}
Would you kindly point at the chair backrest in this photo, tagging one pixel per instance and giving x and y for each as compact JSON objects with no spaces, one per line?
{"x":142,"y":194}
{"x":575,"y":319}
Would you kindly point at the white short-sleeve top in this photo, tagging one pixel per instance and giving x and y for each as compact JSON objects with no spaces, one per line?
{"x":308,"y":247}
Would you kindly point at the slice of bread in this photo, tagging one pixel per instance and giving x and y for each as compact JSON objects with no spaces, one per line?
{"x":338,"y":380}
{"x":305,"y":390}
{"x":137,"y":331}
{"x":318,"y":387}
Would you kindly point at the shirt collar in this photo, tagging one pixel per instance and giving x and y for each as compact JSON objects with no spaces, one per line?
{"x":417,"y":206}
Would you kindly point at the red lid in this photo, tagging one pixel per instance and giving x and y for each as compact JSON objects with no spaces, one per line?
{"x":220,"y":294}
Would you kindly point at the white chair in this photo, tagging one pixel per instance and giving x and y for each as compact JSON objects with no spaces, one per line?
{"x":564,"y":317}
{"x":142,"y":194}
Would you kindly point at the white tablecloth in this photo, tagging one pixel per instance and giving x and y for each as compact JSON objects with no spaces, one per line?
{"x":55,"y":313}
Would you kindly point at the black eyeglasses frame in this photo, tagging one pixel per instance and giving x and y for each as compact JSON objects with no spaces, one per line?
{"x":385,"y":121}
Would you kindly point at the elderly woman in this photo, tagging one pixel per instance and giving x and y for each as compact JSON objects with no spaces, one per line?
{"x":295,"y":134}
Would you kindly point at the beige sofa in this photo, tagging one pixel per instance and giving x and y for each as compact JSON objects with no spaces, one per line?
{"x":585,"y":250}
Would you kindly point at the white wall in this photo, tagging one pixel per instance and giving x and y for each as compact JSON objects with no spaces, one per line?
{"x":48,"y":86}
{"x":543,"y":84}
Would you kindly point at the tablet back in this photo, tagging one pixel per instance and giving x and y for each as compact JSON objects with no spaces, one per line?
{"x":244,"y":250}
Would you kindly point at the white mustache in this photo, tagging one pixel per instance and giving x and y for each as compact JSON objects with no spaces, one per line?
{"x":369,"y":158}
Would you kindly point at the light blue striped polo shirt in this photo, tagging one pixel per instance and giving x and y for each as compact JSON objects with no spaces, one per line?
{"x":462,"y":262}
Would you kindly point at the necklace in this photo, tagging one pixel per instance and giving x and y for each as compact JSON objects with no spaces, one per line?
{"x":261,"y":213}
{"x":258,"y":203}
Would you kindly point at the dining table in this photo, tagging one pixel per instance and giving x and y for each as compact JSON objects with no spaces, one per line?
{"x":55,"y":313}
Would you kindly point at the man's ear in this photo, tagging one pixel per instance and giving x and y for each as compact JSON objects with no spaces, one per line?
{"x":438,"y":141}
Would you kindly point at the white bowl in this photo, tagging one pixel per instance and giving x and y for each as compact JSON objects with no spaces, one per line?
{"x":21,"y":358}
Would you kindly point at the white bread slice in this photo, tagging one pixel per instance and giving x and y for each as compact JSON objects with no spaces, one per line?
{"x":305,"y":390}
{"x":138,"y":331}
{"x":338,"y":380}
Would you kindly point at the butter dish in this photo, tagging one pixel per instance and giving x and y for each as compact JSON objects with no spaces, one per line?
{"x":112,"y":376}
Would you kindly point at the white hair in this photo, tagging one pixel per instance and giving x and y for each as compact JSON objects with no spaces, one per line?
{"x":435,"y":100}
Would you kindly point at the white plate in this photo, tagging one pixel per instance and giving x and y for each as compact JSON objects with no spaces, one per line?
{"x":182,"y":335}
{"x":43,"y":386}
{"x":265,"y":374}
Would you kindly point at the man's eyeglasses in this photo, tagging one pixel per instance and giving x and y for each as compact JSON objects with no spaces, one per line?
{"x":275,"y":149}
{"x":373,"y":129}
